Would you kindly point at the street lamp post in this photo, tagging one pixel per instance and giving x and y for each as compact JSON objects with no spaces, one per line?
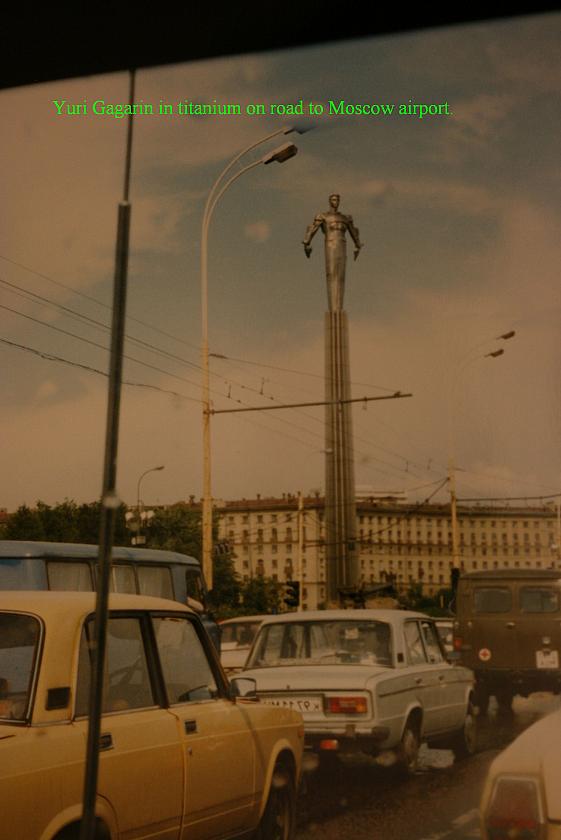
{"x":139,"y":538}
{"x":280,"y":155}
{"x":451,"y":466}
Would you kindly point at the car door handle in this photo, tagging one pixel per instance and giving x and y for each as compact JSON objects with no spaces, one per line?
{"x":190,"y":726}
{"x":105,"y":741}
{"x":441,"y":678}
{"x":419,"y":680}
{"x":510,"y":624}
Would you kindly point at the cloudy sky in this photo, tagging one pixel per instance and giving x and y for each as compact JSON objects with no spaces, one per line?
{"x":459,"y":216}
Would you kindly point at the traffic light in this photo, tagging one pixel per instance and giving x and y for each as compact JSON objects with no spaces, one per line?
{"x":292,"y":593}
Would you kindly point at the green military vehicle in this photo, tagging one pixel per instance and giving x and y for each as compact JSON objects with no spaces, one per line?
{"x":508,"y":631}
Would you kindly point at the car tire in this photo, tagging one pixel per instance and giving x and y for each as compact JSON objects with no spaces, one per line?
{"x":481,"y":701}
{"x":407,"y":753}
{"x":278,"y":820}
{"x":464,"y":743}
{"x":504,"y":697}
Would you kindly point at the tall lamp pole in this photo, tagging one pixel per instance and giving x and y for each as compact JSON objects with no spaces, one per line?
{"x":451,"y":446}
{"x":138,"y":503}
{"x":280,"y":155}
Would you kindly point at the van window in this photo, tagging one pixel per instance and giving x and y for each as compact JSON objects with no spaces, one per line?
{"x":155,"y":580}
{"x":69,"y":577}
{"x":535,"y":600}
{"x":122,"y":580}
{"x":492,"y":600}
{"x":194,"y":585}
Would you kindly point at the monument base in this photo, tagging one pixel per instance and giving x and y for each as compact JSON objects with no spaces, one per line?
{"x":342,"y":568}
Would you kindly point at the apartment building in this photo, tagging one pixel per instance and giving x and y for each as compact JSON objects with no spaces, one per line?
{"x":408,"y":541}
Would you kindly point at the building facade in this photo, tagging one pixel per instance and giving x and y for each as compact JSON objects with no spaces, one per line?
{"x":407,"y":542}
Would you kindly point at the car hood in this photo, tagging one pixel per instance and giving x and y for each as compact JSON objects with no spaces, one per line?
{"x":537,"y":752}
{"x":315,"y":677}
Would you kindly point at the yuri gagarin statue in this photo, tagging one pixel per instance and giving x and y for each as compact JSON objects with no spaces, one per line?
{"x":334,"y":226}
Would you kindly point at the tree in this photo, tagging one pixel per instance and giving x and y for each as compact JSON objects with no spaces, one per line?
{"x":225,"y":596}
{"x":261,"y":596}
{"x":175,"y":528}
{"x":63,"y":522}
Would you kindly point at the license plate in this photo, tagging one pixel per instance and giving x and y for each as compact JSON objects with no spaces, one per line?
{"x":547,"y":659}
{"x":301,"y":704}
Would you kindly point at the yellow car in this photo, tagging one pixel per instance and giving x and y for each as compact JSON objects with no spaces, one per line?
{"x":182,"y":755}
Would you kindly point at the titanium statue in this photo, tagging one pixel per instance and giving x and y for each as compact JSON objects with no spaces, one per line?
{"x":334,"y":226}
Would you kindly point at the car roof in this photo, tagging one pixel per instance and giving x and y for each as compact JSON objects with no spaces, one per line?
{"x":390,"y":616}
{"x":45,"y":603}
{"x":243,"y":619}
{"x":83,"y":551}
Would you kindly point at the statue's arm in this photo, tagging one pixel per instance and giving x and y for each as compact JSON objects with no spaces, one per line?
{"x":311,"y":231}
{"x":355,"y":235}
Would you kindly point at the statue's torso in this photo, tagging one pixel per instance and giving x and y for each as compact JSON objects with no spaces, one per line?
{"x":334,"y":225}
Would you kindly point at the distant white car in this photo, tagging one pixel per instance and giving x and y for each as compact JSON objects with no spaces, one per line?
{"x":237,"y":637}
{"x":372,"y":681}
{"x":522,"y":793}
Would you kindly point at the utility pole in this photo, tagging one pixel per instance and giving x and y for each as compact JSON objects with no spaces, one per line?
{"x":453,"y":514}
{"x":299,"y":570}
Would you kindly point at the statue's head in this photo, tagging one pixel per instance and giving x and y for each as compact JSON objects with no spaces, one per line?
{"x":334,"y":199}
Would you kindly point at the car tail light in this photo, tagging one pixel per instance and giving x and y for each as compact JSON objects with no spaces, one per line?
{"x":515,"y":811}
{"x":329,"y":744}
{"x":458,"y":643}
{"x":346,"y":705}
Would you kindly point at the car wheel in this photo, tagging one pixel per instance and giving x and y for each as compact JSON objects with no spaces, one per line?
{"x":465,"y":741}
{"x":504,"y":696}
{"x":277,"y":822}
{"x":408,"y":751}
{"x":481,"y":701}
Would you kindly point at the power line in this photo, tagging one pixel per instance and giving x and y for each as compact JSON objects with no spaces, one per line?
{"x":52,"y":358}
{"x":289,"y":370}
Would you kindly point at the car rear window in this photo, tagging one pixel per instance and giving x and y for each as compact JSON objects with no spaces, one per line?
{"x":538,"y":600}
{"x":492,"y":600}
{"x":19,"y":644}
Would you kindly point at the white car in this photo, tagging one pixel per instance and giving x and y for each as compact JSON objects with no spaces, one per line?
{"x":237,"y":637}
{"x":522,"y":793}
{"x":372,"y":681}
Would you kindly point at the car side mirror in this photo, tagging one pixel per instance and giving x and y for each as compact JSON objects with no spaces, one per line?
{"x":243,"y":687}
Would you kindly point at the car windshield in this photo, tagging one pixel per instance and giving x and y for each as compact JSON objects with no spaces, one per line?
{"x":322,"y":643}
{"x":240,"y":632}
{"x":19,"y":641}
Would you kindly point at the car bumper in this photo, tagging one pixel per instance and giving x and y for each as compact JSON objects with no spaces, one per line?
{"x":348,"y":741}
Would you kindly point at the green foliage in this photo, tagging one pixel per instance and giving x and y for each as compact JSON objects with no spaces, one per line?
{"x":261,"y":595}
{"x":63,"y":522}
{"x":176,"y":528}
{"x":415,"y":600}
{"x":225,"y":595}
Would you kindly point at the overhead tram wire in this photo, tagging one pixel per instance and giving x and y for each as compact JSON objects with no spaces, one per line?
{"x":190,"y":382}
{"x":312,"y":516}
{"x":50,"y":357}
{"x":96,"y":301}
{"x":159,"y":351}
{"x":289,"y":370}
{"x":29,"y":295}
{"x":151,"y":348}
